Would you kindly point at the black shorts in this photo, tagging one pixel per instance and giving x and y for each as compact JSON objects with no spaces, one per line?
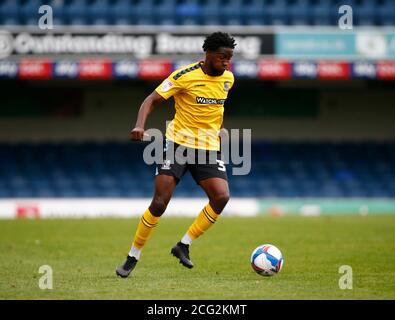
{"x":202,"y":164}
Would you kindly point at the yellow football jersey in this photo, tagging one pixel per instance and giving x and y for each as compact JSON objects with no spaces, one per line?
{"x":199,"y":104}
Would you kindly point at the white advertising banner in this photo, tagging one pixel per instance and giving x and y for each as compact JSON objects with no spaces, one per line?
{"x":123,"y":208}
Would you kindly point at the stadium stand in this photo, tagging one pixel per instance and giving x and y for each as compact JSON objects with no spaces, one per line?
{"x":279,"y":169}
{"x":198,"y":12}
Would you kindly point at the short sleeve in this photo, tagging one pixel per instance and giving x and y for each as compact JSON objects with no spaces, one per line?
{"x":169,"y":87}
{"x":232,"y":81}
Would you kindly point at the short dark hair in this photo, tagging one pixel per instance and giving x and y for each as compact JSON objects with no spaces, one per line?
{"x":217,"y":40}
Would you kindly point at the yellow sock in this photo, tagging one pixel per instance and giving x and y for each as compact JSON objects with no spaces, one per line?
{"x":146,"y":225}
{"x":205,"y":220}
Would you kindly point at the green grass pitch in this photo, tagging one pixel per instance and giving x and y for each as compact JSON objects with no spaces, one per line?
{"x":84,"y":253}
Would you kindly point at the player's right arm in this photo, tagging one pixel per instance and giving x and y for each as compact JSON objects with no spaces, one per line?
{"x":169,"y":87}
{"x":137,"y":133}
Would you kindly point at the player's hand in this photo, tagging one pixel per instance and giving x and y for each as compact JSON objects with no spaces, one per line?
{"x":137,"y":134}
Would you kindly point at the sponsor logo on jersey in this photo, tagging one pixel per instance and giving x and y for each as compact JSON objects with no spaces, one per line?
{"x":226,"y":86}
{"x":167,"y":85}
{"x":203,"y":100}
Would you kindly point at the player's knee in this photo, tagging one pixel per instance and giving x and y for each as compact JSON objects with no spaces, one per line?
{"x":158,"y":206}
{"x":220,"y":200}
{"x":224,"y":198}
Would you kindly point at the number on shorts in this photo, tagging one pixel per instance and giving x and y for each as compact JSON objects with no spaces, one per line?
{"x":221,"y":165}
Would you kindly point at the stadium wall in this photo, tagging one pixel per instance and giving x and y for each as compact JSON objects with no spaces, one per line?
{"x":107,"y":111}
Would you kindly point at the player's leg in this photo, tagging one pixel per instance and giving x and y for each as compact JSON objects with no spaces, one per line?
{"x":164,"y":187}
{"x":213,"y":179}
{"x":217,"y":191}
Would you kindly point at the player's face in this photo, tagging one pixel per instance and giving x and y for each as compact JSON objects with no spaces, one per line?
{"x":220,"y":60}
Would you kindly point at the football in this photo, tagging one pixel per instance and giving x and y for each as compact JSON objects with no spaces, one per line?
{"x":267,"y":260}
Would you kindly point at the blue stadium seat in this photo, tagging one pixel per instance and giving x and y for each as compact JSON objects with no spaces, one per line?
{"x":165,"y":12}
{"x":46,"y":193}
{"x":111,"y":193}
{"x":211,"y":12}
{"x":123,"y":12}
{"x":99,"y":12}
{"x":300,"y":13}
{"x":232,"y":13}
{"x":365,"y":13}
{"x":59,"y":11}
{"x":10,"y":12}
{"x":277,"y":12}
{"x":198,"y":12}
{"x":144,"y":12}
{"x":5,"y":193}
{"x":321,"y":12}
{"x":88,"y":192}
{"x":29,"y":12}
{"x":253,"y":13}
{"x":23,"y":193}
{"x":189,"y":12}
{"x":76,"y":12}
{"x":385,"y":13}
